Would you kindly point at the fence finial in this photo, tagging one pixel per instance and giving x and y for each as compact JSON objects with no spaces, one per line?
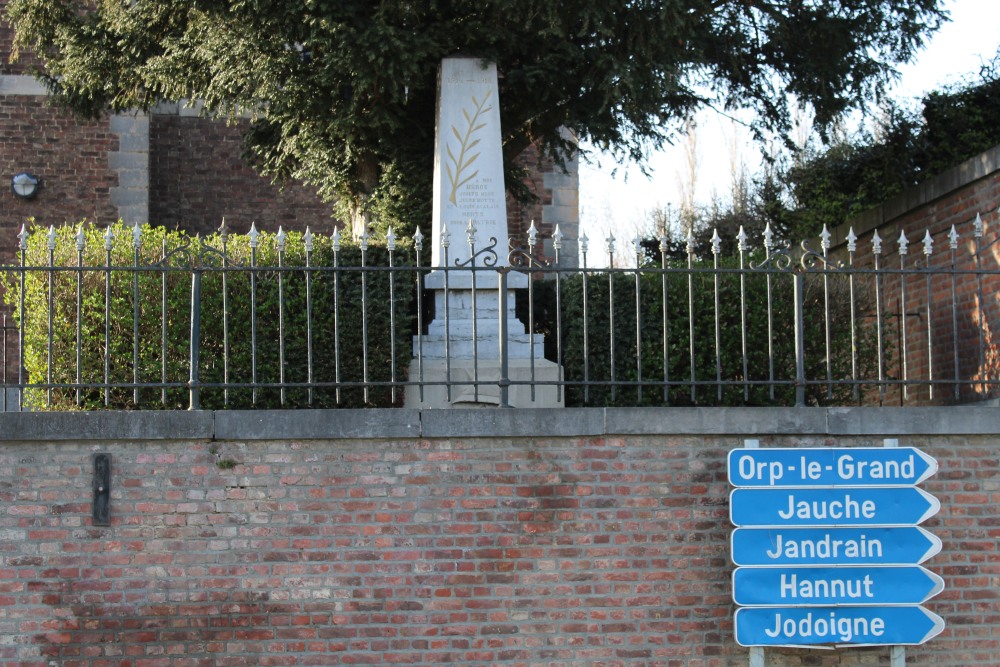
{"x":557,"y":237}
{"x":852,"y":240}
{"x":52,"y":237}
{"x":928,"y":243}
{"x":978,"y":226}
{"x":136,"y":236}
{"x":418,"y":240}
{"x":825,"y":237}
{"x":532,"y":236}
{"x":254,"y":235}
{"x":335,"y":239}
{"x":903,"y":243}
{"x":109,"y":237}
{"x":610,"y":243}
{"x":390,"y":240}
{"x":768,"y":237}
{"x":716,"y":242}
{"x":741,"y":240}
{"x":470,"y":232}
{"x":281,"y":237}
{"x":81,"y":238}
{"x":953,"y":238}
{"x":23,"y":236}
{"x":445,"y":235}
{"x":584,"y":241}
{"x":307,"y":240}
{"x":876,"y":243}
{"x":690,"y":242}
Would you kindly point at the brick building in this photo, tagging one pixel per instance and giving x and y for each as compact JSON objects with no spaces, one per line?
{"x":174,"y":168}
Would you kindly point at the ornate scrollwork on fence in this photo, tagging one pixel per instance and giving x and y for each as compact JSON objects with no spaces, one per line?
{"x":812,"y":261}
{"x":488,"y":254}
{"x":521,"y":258}
{"x":778,"y":259}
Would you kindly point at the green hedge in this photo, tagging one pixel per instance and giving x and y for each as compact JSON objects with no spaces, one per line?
{"x":182,"y":252}
{"x":598,"y":358}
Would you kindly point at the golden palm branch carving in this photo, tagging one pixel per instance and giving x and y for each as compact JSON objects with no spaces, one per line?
{"x":466,"y":143}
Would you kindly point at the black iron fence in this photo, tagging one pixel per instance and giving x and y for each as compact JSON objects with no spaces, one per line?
{"x":145,"y":318}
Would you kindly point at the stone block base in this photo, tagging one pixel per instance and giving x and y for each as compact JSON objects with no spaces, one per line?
{"x":465,"y":395}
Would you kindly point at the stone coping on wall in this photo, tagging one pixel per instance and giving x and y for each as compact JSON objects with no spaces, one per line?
{"x":474,"y":423}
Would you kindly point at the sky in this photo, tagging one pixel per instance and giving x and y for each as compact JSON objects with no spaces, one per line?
{"x":618,"y":198}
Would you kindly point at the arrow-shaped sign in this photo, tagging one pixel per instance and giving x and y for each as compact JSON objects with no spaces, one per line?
{"x":818,"y":586}
{"x":835,"y":626}
{"x":829,"y":466}
{"x":833,"y":546}
{"x":853,"y":506}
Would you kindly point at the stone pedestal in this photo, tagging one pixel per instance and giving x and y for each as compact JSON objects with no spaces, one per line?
{"x":462,"y":348}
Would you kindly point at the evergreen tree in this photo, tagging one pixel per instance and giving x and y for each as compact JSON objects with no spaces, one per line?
{"x":342,"y":94}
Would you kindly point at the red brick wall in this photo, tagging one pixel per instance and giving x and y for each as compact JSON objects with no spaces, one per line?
{"x":957,"y":208}
{"x":197,"y":177}
{"x":514,"y":551}
{"x":69,"y":155}
{"x":520,"y":216}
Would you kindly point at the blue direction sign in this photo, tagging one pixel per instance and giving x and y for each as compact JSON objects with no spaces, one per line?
{"x":833,"y":546}
{"x":892,"y":506}
{"x":819,"y":586}
{"x":829,"y":466}
{"x":835,"y":626}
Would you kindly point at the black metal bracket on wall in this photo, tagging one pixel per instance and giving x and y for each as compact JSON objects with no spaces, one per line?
{"x":101,"y":513}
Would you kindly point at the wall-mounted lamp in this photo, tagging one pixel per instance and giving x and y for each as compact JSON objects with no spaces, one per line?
{"x":25,"y":185}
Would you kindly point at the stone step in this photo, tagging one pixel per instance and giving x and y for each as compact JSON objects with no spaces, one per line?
{"x":518,"y":347}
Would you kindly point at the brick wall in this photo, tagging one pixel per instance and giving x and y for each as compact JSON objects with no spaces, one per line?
{"x":506,"y":550}
{"x":520,"y":216}
{"x":198,"y":176}
{"x":69,"y":155}
{"x":952,"y":199}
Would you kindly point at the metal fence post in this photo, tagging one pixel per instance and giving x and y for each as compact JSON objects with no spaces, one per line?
{"x":504,"y":382}
{"x":800,"y":353}
{"x":195,"y":336}
{"x":23,"y":247}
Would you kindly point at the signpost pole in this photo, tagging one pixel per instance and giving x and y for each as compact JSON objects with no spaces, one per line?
{"x":757,"y":652}
{"x":897,"y":654}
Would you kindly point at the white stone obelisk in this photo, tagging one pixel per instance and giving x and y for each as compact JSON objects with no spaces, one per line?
{"x":468,"y":161}
{"x":462,"y":344}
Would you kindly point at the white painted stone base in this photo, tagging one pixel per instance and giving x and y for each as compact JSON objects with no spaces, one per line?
{"x":475,"y":360}
{"x":465,"y":395}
